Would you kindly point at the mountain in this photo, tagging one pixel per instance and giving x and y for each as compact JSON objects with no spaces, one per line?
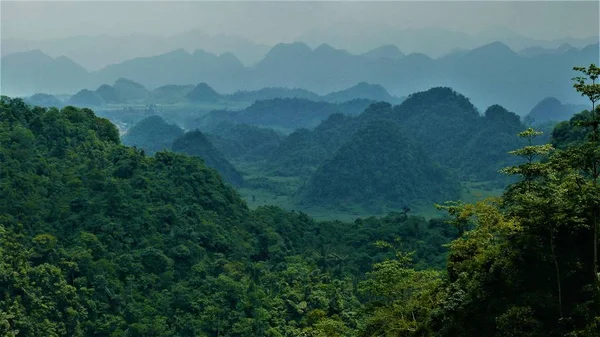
{"x":388,"y":51}
{"x":86,"y":98}
{"x":29,"y":72}
{"x":362,"y":90}
{"x":285,"y":114}
{"x":203,"y":93}
{"x":380,"y":167}
{"x":170,"y":94}
{"x":130,"y":91}
{"x":271,"y":93}
{"x":519,"y":82}
{"x":109,"y":94}
{"x":96,"y":52}
{"x":175,"y":67}
{"x":195,"y":143}
{"x":358,"y":37}
{"x":152,"y":134}
{"x":551,"y":109}
{"x":44,"y":100}
{"x":244,"y":142}
{"x":456,"y":136}
{"x":301,"y":152}
{"x":536,"y":51}
{"x":444,"y":123}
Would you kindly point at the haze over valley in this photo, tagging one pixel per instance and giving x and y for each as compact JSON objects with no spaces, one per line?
{"x":316,"y":169}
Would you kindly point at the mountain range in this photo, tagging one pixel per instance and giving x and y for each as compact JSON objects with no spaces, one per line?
{"x":433,"y":41}
{"x":125,"y":91}
{"x":519,"y":81}
{"x":98,"y":51}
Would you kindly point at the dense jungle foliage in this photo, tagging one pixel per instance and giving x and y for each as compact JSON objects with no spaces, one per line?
{"x":99,"y":239}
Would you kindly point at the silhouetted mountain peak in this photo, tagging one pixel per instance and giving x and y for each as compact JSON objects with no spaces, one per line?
{"x":565,"y":47}
{"x":548,"y":102}
{"x":203,"y":93}
{"x":389,"y":51}
{"x":492,"y":49}
{"x":120,"y":82}
{"x":35,"y":55}
{"x":438,"y":100}
{"x":294,"y":49}
{"x":177,"y":52}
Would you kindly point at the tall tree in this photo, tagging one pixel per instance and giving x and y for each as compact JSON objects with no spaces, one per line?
{"x":589,"y":152}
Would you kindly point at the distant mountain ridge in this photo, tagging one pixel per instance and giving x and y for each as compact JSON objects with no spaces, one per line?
{"x":551,"y":109}
{"x":127,"y":91}
{"x":96,"y":52}
{"x":326,"y":69}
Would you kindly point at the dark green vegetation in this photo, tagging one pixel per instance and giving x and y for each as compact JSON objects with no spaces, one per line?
{"x":246,"y":143}
{"x":98,"y":239}
{"x":379,"y":167}
{"x":152,"y":134}
{"x":441,"y":129}
{"x":194,"y":143}
{"x":443,"y":122}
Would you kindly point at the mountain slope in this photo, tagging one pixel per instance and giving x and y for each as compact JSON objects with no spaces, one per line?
{"x":244,"y":142}
{"x":194,"y":143}
{"x":551,"y":109}
{"x":30,"y":72}
{"x":152,"y":134}
{"x":362,"y":90}
{"x":380,"y":167}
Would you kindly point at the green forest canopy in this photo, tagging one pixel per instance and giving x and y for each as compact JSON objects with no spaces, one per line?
{"x":97,"y":239}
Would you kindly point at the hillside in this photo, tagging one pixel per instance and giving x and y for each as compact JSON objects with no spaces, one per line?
{"x":170,"y":94}
{"x":551,"y":109}
{"x":44,"y":100}
{"x":203,"y":93}
{"x":380,"y":167}
{"x":152,"y":134}
{"x":195,"y":144}
{"x":244,"y":142}
{"x":362,"y":90}
{"x":285,"y":114}
{"x":86,"y":98}
{"x":442,"y":121}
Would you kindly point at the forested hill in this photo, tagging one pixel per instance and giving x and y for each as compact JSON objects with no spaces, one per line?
{"x":152,"y":134}
{"x":98,"y":239}
{"x":286,"y":114}
{"x":380,"y":167}
{"x":450,"y":129}
{"x":194,"y":143}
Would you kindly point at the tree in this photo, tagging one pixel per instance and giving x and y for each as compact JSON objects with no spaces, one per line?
{"x":589,"y":153}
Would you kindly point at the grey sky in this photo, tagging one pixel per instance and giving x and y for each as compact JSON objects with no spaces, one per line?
{"x":271,"y":22}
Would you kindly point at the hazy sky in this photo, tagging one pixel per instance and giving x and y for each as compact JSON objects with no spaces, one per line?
{"x":271,"y":22}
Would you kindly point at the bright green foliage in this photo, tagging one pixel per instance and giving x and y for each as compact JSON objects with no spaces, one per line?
{"x":97,"y":239}
{"x":400,"y":299}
